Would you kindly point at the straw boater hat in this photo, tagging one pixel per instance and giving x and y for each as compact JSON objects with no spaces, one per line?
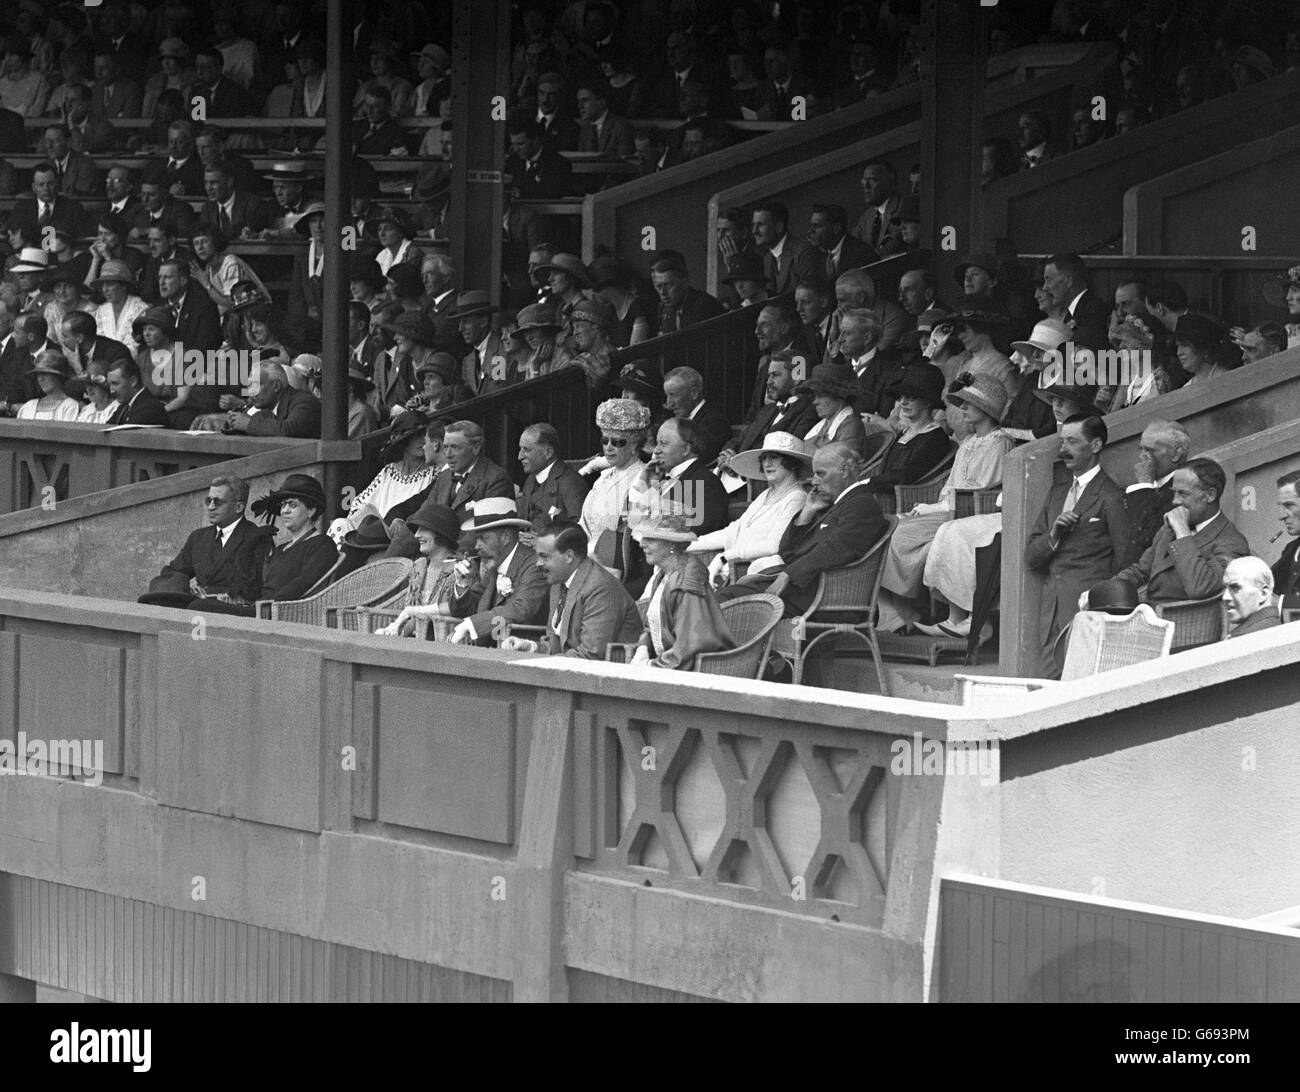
{"x":572,"y":265}
{"x":371,"y":535}
{"x":492,"y":513}
{"x":294,"y":170}
{"x":748,"y":464}
{"x":837,"y":380}
{"x":114,"y":270}
{"x":664,"y":528}
{"x":31,"y":259}
{"x":1047,"y":335}
{"x":622,"y":415}
{"x":984,"y":392}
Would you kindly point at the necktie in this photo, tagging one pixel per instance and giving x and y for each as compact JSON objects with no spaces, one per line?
{"x":1072,"y":497}
{"x":45,"y":215}
{"x":559,"y":607}
{"x":830,"y":266}
{"x":875,"y":229}
{"x":223,"y":219}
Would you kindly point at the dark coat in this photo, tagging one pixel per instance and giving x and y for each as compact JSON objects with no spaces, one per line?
{"x":485,"y":479}
{"x":561,"y":495}
{"x":526,"y":604}
{"x":1265,"y":618}
{"x":839,"y":535}
{"x":234,"y":569}
{"x":1095,"y":550}
{"x":781,"y":273}
{"x":143,"y":409}
{"x":224,"y":99}
{"x":699,"y":492}
{"x":296,"y":413}
{"x":550,"y":175}
{"x":1187,"y":568}
{"x":1146,"y":514}
{"x":198,"y":325}
{"x":796,"y":420}
{"x":597,"y":611}
{"x":854,"y":254}
{"x":379,"y":141}
{"x":615,"y":137}
{"x":178,"y":212}
{"x":66,"y":213}
{"x":1286,"y":574}
{"x":696,"y":308}
{"x":904,"y":464}
{"x":878,"y":383}
{"x":13,"y":131}
{"x":291,"y":570}
{"x":189,"y":174}
{"x":247,"y":211}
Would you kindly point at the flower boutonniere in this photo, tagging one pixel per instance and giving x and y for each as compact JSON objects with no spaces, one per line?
{"x":504,"y":585}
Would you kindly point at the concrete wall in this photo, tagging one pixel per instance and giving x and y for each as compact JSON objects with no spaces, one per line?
{"x":112,"y":543}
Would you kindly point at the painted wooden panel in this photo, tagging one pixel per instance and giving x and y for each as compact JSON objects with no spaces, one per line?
{"x":261,"y":759}
{"x":446,"y":763}
{"x":124,"y":950}
{"x":1003,"y":943}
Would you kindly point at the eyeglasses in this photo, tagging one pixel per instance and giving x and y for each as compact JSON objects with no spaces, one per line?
{"x":614,"y":441}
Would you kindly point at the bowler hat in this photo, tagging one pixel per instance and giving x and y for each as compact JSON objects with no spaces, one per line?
{"x":572,"y":265}
{"x":742,"y":266}
{"x":491,"y":513}
{"x":1113,"y":597}
{"x":923,"y":381}
{"x":474,"y":302}
{"x":303,"y":487}
{"x":169,"y":590}
{"x":748,"y":464}
{"x":372,"y":534}
{"x":985,"y":393}
{"x":837,"y":380}
{"x":437,"y":518}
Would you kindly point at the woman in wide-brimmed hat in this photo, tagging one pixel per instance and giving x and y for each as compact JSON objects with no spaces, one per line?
{"x":569,"y":283}
{"x":922,"y":444}
{"x":122,"y":305}
{"x":683,"y":618}
{"x":411,"y":461}
{"x":70,"y":294}
{"x":433,"y":576}
{"x":155,"y":332}
{"x":1028,"y":416}
{"x":619,"y":286}
{"x":781,"y":462}
{"x":439,"y":380}
{"x":395,"y":234}
{"x":534,"y":342}
{"x":52,"y":373}
{"x":981,"y":325}
{"x":432,"y":64}
{"x":977,"y":465}
{"x":834,"y":391}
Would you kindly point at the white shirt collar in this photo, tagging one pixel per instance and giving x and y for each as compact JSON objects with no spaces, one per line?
{"x":1201,"y":526}
{"x":780,"y":247}
{"x":695,"y":412}
{"x":481,"y":347}
{"x":505,"y":564}
{"x":1075,"y":302}
{"x":1086,"y":477}
{"x":569,"y":583}
{"x":229,"y":530}
{"x":866,"y":358}
{"x":681,"y":468}
{"x":545,"y":472}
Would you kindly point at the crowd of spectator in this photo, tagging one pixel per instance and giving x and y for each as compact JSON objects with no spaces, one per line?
{"x":116,"y":270}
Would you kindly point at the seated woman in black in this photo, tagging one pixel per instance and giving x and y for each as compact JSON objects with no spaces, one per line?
{"x":923,"y":444}
{"x":301,"y":555}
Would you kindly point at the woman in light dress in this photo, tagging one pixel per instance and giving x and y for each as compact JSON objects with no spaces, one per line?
{"x":623,"y":424}
{"x":52,"y":371}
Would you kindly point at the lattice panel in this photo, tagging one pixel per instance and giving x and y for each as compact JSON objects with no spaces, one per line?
{"x":41,"y":470}
{"x":798,"y":821}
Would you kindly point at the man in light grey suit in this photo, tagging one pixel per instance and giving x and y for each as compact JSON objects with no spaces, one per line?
{"x":598,"y":129}
{"x":780,"y":250}
{"x":589,"y":609}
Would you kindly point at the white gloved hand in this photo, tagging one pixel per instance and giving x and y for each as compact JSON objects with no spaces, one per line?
{"x":519,"y":644}
{"x":641,"y":655}
{"x":717,"y":569}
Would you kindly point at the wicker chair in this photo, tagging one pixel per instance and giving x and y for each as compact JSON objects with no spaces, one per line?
{"x":926,"y":490}
{"x":1196,"y":622}
{"x":1290,"y":614}
{"x":845,"y":603}
{"x":1098,"y":642}
{"x":368,"y":585}
{"x":752,"y":620}
{"x":976,"y":502}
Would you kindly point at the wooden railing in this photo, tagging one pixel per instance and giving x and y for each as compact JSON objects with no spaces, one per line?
{"x":44,"y":463}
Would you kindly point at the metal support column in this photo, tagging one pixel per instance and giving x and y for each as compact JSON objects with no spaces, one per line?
{"x":952,"y":129}
{"x":338,"y":196}
{"x":480,"y":65}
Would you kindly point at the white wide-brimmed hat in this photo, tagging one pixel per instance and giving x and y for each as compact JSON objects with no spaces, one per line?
{"x":491,"y":513}
{"x":748,"y":464}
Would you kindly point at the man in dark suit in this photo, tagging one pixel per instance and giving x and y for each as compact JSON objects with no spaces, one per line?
{"x":879,"y":370}
{"x":127,"y":49}
{"x":439,"y":278}
{"x":1162,"y":449}
{"x":1286,"y":573}
{"x":684,"y":399}
{"x":86,"y":133}
{"x":833,"y":250}
{"x":378,"y":133}
{"x":680,"y":305}
{"x":783,"y":411}
{"x":680,"y":480}
{"x":781,"y":251}
{"x":221,"y":96}
{"x":138,"y":406}
{"x":1248,"y":597}
{"x":181,"y":173}
{"x":27,"y":338}
{"x":223,"y":558}
{"x":840,"y":521}
{"x":588,"y":609}
{"x":1065,"y":279}
{"x":509,"y":587}
{"x":46,"y":207}
{"x":226,"y":207}
{"x":485,"y":367}
{"x":1081,"y":536}
{"x":535,"y":170}
{"x":75,"y":172}
{"x":470,"y":475}
{"x":777,"y":93}
{"x":116,"y":95}
{"x":1190,"y":551}
{"x":158,"y":206}
{"x":599,"y":130}
{"x":197,"y":322}
{"x":281,"y":410}
{"x":552,"y":488}
{"x":558,"y":131}
{"x":877,"y":223}
{"x":162,"y":247}
{"x":84,"y":348}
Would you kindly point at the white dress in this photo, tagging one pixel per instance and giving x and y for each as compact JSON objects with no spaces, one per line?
{"x":757,"y":533}
{"x":119,"y":327}
{"x":66,"y":410}
{"x":92,"y":416}
{"x":389,"y":488}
